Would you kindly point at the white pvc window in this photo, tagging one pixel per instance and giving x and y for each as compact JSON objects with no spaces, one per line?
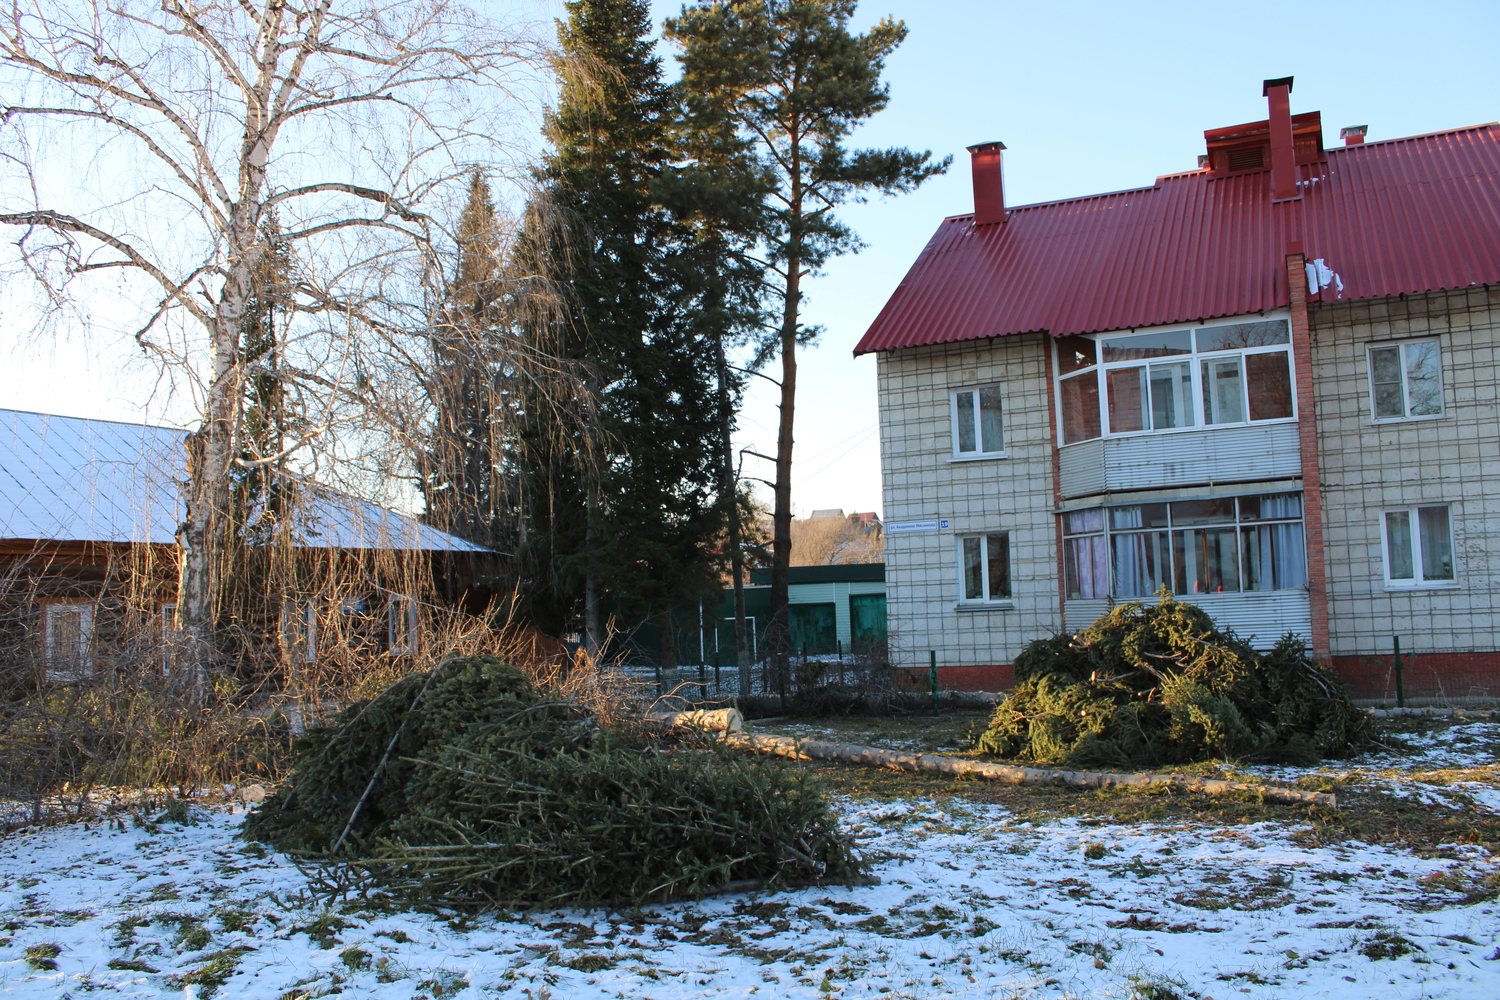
{"x":1406,"y":380}
{"x":1212,"y":546}
{"x":1166,"y":380}
{"x":67,"y":638}
{"x":1419,"y":547}
{"x":402,"y":633}
{"x":984,"y":567}
{"x":977,"y":429}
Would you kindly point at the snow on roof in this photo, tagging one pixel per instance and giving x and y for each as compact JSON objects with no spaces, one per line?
{"x":1401,"y":215}
{"x":70,"y":479}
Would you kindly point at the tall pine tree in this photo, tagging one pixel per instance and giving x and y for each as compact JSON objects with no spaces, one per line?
{"x":782,"y":84}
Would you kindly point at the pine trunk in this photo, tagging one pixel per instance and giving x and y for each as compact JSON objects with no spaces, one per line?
{"x":729,"y":492}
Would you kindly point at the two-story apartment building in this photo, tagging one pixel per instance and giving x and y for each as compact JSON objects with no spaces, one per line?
{"x":1267,"y":384}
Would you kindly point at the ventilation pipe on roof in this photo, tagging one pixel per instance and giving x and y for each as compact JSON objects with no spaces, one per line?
{"x":1283,"y":153}
{"x":1354,"y":134}
{"x":989,"y":189}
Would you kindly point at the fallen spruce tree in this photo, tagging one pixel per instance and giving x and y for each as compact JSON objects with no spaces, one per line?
{"x":466,"y":786}
{"x":1153,"y":685}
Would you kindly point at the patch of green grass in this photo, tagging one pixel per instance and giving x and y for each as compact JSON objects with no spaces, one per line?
{"x":191,"y":934}
{"x":126,"y":928}
{"x":355,"y":959}
{"x":41,"y":957}
{"x":215,"y":973}
{"x":398,"y":936}
{"x":1095,"y":851}
{"x":234,"y":919}
{"x":590,"y":963}
{"x":324,"y":930}
{"x":129,"y":965}
{"x":1387,"y":944}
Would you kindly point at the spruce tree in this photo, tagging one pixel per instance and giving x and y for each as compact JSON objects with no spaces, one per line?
{"x":462,"y":469}
{"x":650,"y":297}
{"x":781,"y":84}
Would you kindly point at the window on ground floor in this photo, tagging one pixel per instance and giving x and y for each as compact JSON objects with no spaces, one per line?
{"x":402,"y":635}
{"x":1419,"y":546}
{"x":67,"y":640}
{"x":984,"y":567}
{"x":1210,"y":546}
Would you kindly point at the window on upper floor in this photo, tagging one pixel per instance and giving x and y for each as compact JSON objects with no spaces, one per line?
{"x":1406,"y":380}
{"x":1418,"y":547}
{"x":1117,"y":384}
{"x":1218,"y":545}
{"x":975,"y":413}
{"x":984,"y":567}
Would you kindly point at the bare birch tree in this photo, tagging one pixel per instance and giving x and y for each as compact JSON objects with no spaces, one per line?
{"x":156,"y":139}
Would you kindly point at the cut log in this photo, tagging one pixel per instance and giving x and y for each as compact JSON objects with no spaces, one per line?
{"x":724,"y":720}
{"x":1011,"y":774}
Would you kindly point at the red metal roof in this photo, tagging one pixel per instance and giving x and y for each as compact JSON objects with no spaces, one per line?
{"x":1401,"y":215}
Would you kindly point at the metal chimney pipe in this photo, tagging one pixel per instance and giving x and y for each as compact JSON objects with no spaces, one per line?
{"x":1353,"y":135}
{"x":989,"y":188}
{"x":1283,"y":151}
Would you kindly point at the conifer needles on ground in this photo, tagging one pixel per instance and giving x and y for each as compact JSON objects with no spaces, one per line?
{"x":467,"y":786}
{"x":1151,"y":685}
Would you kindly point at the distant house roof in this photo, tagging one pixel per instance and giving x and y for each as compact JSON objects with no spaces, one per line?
{"x":1397,"y":216}
{"x":70,"y":479}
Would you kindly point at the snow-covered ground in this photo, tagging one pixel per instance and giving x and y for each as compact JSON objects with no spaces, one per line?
{"x":972,"y":901}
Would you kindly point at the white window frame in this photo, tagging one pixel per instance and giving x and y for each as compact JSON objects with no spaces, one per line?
{"x":1416,"y":580}
{"x":985,"y":601}
{"x":299,"y":630}
{"x":80,"y":665}
{"x":1193,"y":358}
{"x":1406,"y":414}
{"x":401,"y":610}
{"x":979,"y":454}
{"x":170,"y":634}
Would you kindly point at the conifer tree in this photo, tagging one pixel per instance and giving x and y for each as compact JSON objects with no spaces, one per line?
{"x":462,"y":474}
{"x":652,"y":294}
{"x":782,"y":84}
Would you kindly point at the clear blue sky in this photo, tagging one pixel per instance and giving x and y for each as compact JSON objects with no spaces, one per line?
{"x":1094,"y":97}
{"x":1088,"y":97}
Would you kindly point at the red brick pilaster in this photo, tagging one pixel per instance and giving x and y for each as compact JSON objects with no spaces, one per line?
{"x":1307,"y":421}
{"x":1062,"y":583}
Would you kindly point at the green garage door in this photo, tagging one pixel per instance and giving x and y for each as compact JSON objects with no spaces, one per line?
{"x":812,"y":627}
{"x":866,"y":619}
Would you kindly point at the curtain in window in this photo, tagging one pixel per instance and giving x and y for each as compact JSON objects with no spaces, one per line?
{"x":998,"y":559}
{"x":1275,"y":556}
{"x":1398,"y":545}
{"x":989,"y":418}
{"x":973,"y":567}
{"x":965,"y":403}
{"x":1141,"y":562}
{"x":1437,"y":543}
{"x":1085,"y":567}
{"x":1206,"y":561}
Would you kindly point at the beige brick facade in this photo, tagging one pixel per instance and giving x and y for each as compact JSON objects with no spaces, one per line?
{"x":1011,"y":494}
{"x":1369,"y":466}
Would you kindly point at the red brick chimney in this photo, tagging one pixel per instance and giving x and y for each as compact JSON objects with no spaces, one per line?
{"x":1283,"y":152}
{"x":989,"y":189}
{"x":1353,"y":135}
